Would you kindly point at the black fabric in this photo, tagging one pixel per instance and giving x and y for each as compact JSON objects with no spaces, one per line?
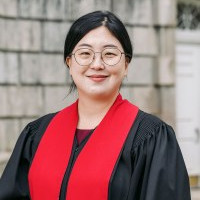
{"x":150,"y":166}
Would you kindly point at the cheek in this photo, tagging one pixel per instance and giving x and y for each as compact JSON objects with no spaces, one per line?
{"x":119,"y":71}
{"x":76,"y":72}
{"x":73,"y":68}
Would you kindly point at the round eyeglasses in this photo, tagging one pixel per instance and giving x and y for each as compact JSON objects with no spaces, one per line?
{"x":110,"y":56}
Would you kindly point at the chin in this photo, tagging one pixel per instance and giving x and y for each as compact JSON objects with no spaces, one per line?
{"x":98,"y":92}
{"x":101,"y":93}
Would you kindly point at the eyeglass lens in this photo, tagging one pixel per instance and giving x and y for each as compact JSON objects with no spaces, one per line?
{"x":110,"y":56}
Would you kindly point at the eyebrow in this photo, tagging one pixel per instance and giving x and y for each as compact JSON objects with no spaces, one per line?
{"x":105,"y":46}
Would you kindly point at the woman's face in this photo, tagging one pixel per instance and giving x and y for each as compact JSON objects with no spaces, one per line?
{"x":98,"y":79}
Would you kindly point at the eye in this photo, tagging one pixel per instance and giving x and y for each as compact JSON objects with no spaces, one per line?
{"x":110,"y":53}
{"x":83,"y":53}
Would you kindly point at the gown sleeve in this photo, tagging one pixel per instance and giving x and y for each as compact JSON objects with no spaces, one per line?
{"x":14,"y":180}
{"x":159,"y":171}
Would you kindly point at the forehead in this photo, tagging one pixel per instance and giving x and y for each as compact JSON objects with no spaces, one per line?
{"x":99,"y":38}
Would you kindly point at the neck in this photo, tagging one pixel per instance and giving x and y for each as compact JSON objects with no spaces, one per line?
{"x":92,"y":110}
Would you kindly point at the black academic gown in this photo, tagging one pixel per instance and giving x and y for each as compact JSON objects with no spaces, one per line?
{"x":150,"y":166}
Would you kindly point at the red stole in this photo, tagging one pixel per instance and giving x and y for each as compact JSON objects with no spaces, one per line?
{"x":93,"y":168}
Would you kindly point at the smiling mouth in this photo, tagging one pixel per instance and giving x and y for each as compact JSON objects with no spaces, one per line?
{"x":97,"y":78}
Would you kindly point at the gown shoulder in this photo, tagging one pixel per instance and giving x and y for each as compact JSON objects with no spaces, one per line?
{"x":148,"y":126}
{"x":37,"y":129}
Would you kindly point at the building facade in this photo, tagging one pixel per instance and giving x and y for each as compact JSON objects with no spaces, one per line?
{"x":34,"y":79}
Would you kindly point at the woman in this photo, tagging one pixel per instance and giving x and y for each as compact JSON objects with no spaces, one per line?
{"x":101,"y":147}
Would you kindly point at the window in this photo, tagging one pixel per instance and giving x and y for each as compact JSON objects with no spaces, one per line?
{"x":188,"y":15}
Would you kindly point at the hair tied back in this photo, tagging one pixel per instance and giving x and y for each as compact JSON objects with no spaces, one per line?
{"x":104,"y":21}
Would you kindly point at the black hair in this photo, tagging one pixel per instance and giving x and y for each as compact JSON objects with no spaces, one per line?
{"x":94,"y":20}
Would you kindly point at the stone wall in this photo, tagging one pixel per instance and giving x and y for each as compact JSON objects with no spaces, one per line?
{"x":34,"y":80}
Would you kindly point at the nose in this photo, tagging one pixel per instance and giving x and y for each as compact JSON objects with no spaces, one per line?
{"x":97,"y":62}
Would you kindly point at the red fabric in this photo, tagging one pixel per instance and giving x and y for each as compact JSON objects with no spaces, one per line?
{"x":53,"y":153}
{"x":81,"y":134}
{"x":92,"y":170}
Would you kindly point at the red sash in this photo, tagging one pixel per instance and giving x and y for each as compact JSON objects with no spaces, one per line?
{"x":93,"y":168}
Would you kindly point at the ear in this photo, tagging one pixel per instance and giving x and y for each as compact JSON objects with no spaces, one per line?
{"x":68,"y":62}
{"x":126,"y":67}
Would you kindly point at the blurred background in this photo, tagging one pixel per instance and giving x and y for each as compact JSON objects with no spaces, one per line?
{"x":163,"y":79}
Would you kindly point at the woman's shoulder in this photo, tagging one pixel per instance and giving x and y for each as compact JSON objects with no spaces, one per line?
{"x":150,"y":120}
{"x":33,"y":132}
{"x":149,"y":125}
{"x":42,"y":121}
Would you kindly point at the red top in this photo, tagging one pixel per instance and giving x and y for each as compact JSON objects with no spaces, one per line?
{"x":81,"y":134}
